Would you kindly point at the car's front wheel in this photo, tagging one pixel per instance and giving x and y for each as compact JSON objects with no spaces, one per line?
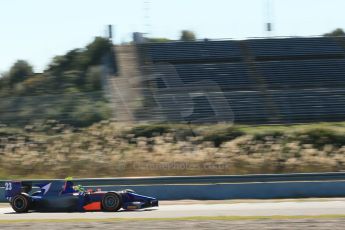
{"x":20,"y":203}
{"x":111,"y":202}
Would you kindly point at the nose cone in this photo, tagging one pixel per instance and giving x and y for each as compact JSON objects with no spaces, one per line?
{"x":154,"y":203}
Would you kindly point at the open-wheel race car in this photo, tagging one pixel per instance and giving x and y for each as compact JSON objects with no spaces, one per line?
{"x":63,"y":196}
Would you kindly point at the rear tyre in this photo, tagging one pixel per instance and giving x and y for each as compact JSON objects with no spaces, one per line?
{"x":20,"y":203}
{"x":111,"y":202}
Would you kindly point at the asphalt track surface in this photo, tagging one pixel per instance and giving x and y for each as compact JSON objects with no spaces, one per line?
{"x":185,"y":209}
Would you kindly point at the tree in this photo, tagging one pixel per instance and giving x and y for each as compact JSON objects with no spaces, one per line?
{"x":73,"y":77}
{"x":93,"y":78}
{"x":96,"y":50}
{"x":187,"y":35}
{"x":19,"y":72}
{"x":335,"y":33}
{"x":82,"y":59}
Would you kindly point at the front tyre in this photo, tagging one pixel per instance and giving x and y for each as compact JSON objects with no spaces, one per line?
{"x":20,"y":203}
{"x":111,"y":202}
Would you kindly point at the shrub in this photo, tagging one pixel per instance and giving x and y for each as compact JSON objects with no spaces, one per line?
{"x":150,"y":130}
{"x":320,"y":137}
{"x":272,"y":134}
{"x":220,"y":136}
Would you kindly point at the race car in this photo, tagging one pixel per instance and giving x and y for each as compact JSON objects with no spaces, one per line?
{"x":63,"y":196}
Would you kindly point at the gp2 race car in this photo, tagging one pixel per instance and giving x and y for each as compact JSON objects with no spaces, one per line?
{"x":62,"y":196}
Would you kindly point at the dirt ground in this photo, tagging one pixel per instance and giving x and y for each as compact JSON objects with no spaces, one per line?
{"x":304,"y":224}
{"x":4,"y":205}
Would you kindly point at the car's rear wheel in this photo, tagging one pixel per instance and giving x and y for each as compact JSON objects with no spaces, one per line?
{"x":111,"y":202}
{"x":20,"y":203}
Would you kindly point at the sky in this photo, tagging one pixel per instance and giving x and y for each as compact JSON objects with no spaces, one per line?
{"x":38,"y":30}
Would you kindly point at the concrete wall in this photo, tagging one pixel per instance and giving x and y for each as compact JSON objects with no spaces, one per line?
{"x":261,"y":190}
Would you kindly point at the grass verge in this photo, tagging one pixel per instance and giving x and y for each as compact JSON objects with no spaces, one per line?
{"x":193,"y":218}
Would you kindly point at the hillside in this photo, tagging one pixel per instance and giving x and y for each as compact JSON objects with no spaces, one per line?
{"x":110,"y":149}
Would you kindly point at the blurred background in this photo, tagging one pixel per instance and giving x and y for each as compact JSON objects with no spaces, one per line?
{"x":148,"y":87}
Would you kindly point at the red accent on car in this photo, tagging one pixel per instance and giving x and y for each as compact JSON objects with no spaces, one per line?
{"x":94,"y":206}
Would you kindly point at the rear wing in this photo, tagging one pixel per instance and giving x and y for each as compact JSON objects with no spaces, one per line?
{"x":13,"y":188}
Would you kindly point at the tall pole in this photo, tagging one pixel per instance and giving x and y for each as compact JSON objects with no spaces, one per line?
{"x":110,"y":33}
{"x":268,"y":17}
{"x":147,"y":6}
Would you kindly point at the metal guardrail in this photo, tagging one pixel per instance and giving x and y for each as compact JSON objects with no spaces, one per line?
{"x":192,"y":180}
